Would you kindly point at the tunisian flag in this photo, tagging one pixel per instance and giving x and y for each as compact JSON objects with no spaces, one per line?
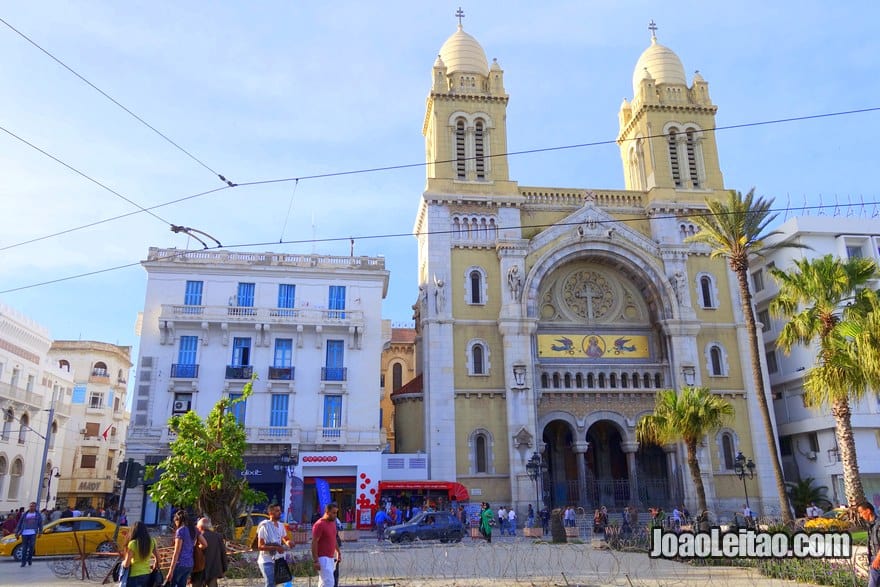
{"x":104,"y":434}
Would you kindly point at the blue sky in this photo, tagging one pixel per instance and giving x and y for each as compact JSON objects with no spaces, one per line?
{"x":269,"y":90}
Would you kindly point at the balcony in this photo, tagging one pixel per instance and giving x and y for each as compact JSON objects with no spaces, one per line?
{"x":334,"y":374}
{"x":239,"y":372}
{"x":325,"y":435}
{"x":14,"y":392}
{"x":281,"y":373}
{"x":634,"y":378}
{"x":185,"y":371}
{"x":306,"y":316}
{"x":99,"y":376}
{"x":273,"y":434}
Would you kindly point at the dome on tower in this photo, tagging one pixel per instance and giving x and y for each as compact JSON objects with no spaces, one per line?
{"x":661,"y":63}
{"x":462,"y":53}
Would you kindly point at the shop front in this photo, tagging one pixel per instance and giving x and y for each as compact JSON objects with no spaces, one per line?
{"x":439,"y":495}
{"x":348,"y":478}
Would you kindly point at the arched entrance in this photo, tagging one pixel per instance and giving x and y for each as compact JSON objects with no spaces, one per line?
{"x":561,"y":479}
{"x":608,"y":478}
{"x":653,"y":478}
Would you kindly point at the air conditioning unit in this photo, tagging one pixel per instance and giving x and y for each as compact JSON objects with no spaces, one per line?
{"x":181,"y":407}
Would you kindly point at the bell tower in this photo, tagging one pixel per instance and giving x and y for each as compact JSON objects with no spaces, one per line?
{"x":666,"y":139}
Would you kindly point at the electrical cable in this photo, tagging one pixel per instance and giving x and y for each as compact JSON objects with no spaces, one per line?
{"x":422,"y":164}
{"x":398,"y":235}
{"x":106,"y":95}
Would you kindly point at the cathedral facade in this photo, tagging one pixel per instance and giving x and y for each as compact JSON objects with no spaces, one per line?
{"x":548,"y":318}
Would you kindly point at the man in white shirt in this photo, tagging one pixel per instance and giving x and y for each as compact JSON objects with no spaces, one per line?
{"x":511,"y":521}
{"x":502,"y":519}
{"x":813,"y":511}
{"x":749,"y":516}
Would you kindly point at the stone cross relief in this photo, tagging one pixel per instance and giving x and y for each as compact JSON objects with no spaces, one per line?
{"x":588,"y":295}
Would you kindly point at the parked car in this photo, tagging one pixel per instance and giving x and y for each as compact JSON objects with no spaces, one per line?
{"x":441,"y":526}
{"x":256,"y":518}
{"x":68,"y":536}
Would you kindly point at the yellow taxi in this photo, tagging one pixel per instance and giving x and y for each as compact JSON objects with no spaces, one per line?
{"x":70,"y":536}
{"x":256,"y":518}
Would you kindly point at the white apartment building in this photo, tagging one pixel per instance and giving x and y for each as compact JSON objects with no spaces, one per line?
{"x":95,"y":439}
{"x":29,"y":384}
{"x":308,"y":326}
{"x":807,"y":441}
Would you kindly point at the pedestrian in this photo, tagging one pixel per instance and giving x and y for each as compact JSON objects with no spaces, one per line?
{"x":487,"y":517}
{"x":869,"y":514}
{"x":530,"y":517}
{"x":325,"y":546}
{"x":502,"y":520}
{"x":271,"y":540}
{"x":511,"y":521}
{"x":136,"y":561}
{"x":216,"y":561}
{"x":380,"y":521}
{"x":545,"y":520}
{"x":29,"y":525}
{"x":182,"y":559}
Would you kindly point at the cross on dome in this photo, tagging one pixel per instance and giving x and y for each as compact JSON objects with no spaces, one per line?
{"x":460,"y":14}
{"x":652,"y":26}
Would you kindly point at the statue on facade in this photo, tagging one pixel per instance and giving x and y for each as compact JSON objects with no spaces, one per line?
{"x":678,"y":285}
{"x":514,"y":281}
{"x":439,"y":294}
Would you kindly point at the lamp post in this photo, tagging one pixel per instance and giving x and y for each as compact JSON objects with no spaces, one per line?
{"x":536,"y":468}
{"x":744,"y":469}
{"x":55,"y":472}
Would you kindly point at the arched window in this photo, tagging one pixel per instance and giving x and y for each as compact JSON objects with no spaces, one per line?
{"x":8,"y":418}
{"x":64,"y":364}
{"x":646,"y":380}
{"x":100,"y":370}
{"x":612,"y":380}
{"x":475,"y":286}
{"x":477,"y":358}
{"x":556,"y":380}
{"x":708,"y":291}
{"x":480,"y":445}
{"x":635,"y":380}
{"x":591,"y":381}
{"x":715,"y":354}
{"x":493,"y":232}
{"x":4,"y":473}
{"x":727,"y":457}
{"x":53,"y":434}
{"x":624,"y":380}
{"x":15,"y":478}
{"x":658,"y":380}
{"x":479,"y":150}
{"x":460,"y":157}
{"x":675,"y":168}
{"x":456,"y":228}
{"x":716,"y":359}
{"x":24,"y":421}
{"x":601,"y":380}
{"x":692,"y":159}
{"x":545,"y":381}
{"x":567,"y":381}
{"x":579,"y":381}
{"x":396,"y":376}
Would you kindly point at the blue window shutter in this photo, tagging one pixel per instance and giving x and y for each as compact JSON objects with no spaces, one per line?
{"x":283,"y":352}
{"x":335,"y":354}
{"x":337,"y":301}
{"x":332,"y":411}
{"x":79,"y":394}
{"x":241,"y":352}
{"x":286,"y":295}
{"x":278,"y":416}
{"x":193,"y":295}
{"x":238,"y":410}
{"x":246,"y":295}
{"x":186,"y":355}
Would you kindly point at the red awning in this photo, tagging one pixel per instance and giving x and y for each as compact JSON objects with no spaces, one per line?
{"x":456,"y":491}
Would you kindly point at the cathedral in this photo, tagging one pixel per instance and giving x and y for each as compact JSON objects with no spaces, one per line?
{"x":548,"y":318}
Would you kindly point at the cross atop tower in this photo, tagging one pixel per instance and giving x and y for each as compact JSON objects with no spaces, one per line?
{"x":652,"y":26}
{"x":460,"y":14}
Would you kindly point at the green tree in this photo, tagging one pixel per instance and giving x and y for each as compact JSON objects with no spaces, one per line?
{"x":736,"y":229}
{"x":687,"y":417}
{"x":805,"y":492}
{"x":202,"y":469}
{"x":825,"y":301}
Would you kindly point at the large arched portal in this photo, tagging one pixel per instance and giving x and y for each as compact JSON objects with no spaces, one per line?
{"x":608,"y":477}
{"x":561,"y":478}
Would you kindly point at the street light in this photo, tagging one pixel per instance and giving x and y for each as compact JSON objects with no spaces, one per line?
{"x":285,"y":460}
{"x":55,"y":472}
{"x":744,"y":468}
{"x":536,"y":468}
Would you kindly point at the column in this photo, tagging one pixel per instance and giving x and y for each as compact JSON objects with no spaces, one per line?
{"x":580,"y":452}
{"x":629,"y":449}
{"x":671,"y":471}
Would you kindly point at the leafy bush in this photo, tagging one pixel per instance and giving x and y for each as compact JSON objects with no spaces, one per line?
{"x":817,"y":572}
{"x":826,"y":525}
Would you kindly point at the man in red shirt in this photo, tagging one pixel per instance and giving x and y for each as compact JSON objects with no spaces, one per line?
{"x":325,"y":547}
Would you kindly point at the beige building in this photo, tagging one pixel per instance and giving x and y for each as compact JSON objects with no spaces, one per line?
{"x":398,"y":367}
{"x":95,"y":438}
{"x":549,"y":317}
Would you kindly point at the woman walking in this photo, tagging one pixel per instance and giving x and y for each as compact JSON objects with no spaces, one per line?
{"x":138,"y":556}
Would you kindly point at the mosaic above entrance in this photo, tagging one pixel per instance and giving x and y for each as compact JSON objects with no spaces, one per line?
{"x":593,"y":346}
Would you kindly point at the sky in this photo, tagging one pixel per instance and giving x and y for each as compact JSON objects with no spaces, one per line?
{"x":277,"y":90}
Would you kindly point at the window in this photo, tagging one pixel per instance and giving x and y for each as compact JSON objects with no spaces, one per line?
{"x":764,"y":319}
{"x":715,"y":354}
{"x":333,"y":370}
{"x":187,"y":364}
{"x":480,"y":453}
{"x":88,"y":461}
{"x":475,"y":286}
{"x":286,"y":298}
{"x":672,"y":143}
{"x":15,"y":478}
{"x":337,"y":301}
{"x":785,"y":446}
{"x":100,"y":370}
{"x":692,"y":158}
{"x":92,"y":429}
{"x":8,"y":417}
{"x":30,"y":383}
{"x":716,"y":360}
{"x":96,"y":399}
{"x":193,"y":295}
{"x":283,"y":352}
{"x":477,"y":360}
{"x":460,"y":157}
{"x":480,"y":447}
{"x":79,"y":394}
{"x":477,"y":357}
{"x":53,"y":434}
{"x":4,"y":473}
{"x":758,"y":280}
{"x":241,"y":352}
{"x":278,"y":414}
{"x":16,"y":374}
{"x":854,"y":251}
{"x":332,"y":416}
{"x":772,"y":364}
{"x":24,"y":422}
{"x":708,"y":291}
{"x":239,"y":408}
{"x":813,"y":439}
{"x":245,"y":297}
{"x":62,"y":364}
{"x":727,"y":451}
{"x":479,"y":150}
{"x":396,"y":376}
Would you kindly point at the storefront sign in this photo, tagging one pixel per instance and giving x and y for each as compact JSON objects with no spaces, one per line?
{"x":90,"y":485}
{"x":261,"y":471}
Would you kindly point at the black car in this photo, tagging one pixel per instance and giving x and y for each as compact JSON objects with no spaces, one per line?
{"x":441,"y":526}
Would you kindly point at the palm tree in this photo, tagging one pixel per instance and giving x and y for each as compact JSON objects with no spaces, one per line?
{"x":735,"y":230}
{"x":687,"y":416}
{"x":805,"y":492}
{"x":825,"y":301}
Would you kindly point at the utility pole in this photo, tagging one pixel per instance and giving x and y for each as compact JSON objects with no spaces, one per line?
{"x":46,"y":440}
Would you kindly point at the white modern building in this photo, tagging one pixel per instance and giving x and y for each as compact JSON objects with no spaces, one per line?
{"x":30,"y":384}
{"x":807,"y":440}
{"x":308,"y":326}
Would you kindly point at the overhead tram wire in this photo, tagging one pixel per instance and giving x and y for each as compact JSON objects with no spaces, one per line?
{"x":394,"y":235}
{"x":423,"y":164}
{"x":109,"y":97}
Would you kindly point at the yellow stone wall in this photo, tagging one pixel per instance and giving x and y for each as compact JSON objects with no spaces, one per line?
{"x":394,"y":352}
{"x":489,"y":412}
{"x":727,"y":485}
{"x":409,"y":425}
{"x":465,"y":332}
{"x":462,"y":260}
